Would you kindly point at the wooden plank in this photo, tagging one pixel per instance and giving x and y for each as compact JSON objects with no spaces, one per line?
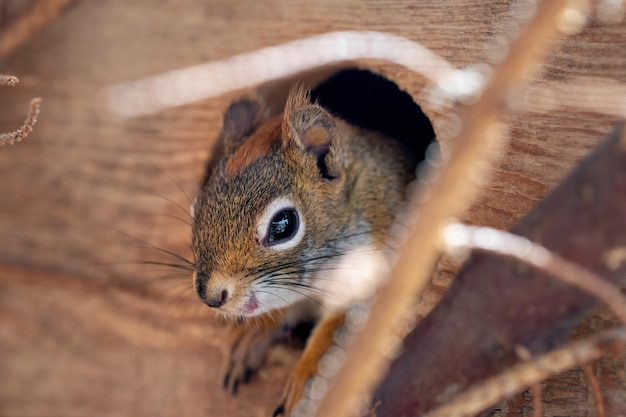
{"x":496,"y":304}
{"x":80,"y":163}
{"x":80,"y":174}
{"x":71,"y":346}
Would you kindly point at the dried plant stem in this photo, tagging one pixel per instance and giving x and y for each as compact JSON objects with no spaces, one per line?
{"x":29,"y":23}
{"x":520,"y":376}
{"x":503,"y":243}
{"x":595,"y":388}
{"x":21,"y":133}
{"x":175,"y":88}
{"x":9,"y":80}
{"x":448,"y":196}
{"x":535,"y":388}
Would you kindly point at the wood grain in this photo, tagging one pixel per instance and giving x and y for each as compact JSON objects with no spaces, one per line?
{"x":74,"y":347}
{"x":79,"y":175}
{"x":496,"y":305}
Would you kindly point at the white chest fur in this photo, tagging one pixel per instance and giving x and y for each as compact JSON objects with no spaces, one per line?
{"x":354,"y":276}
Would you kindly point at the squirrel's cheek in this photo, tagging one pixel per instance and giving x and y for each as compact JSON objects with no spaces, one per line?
{"x":357,"y":275}
{"x":251,"y":305}
{"x":271,"y":298}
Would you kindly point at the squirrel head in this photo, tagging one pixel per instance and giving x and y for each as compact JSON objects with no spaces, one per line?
{"x":276,"y":199}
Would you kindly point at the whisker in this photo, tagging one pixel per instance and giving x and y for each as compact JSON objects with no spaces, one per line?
{"x":137,"y":262}
{"x":143,"y":242}
{"x":180,"y":187}
{"x":176,"y":277}
{"x":297,"y":275}
{"x":260,"y":269}
{"x":166,"y":199}
{"x":182,"y":303}
{"x":180,"y":219}
{"x":174,"y":291}
{"x":168,"y":264}
{"x":277,"y":296}
{"x":289,"y":288}
{"x":312,"y":289}
{"x":366,"y":232}
{"x":299,"y":262}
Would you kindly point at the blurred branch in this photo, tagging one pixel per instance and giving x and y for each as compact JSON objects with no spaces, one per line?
{"x":29,"y":23}
{"x":9,"y":80}
{"x":494,"y":306}
{"x":459,"y":236}
{"x":184,"y":86}
{"x":595,"y":388}
{"x":535,"y":386}
{"x":521,"y":376}
{"x":447,"y":197}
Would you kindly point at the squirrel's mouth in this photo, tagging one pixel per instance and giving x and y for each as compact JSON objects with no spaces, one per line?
{"x":251,"y":305}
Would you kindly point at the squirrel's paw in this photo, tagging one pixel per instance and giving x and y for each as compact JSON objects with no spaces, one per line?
{"x":296,"y":385}
{"x":320,"y":341}
{"x":245,"y":351}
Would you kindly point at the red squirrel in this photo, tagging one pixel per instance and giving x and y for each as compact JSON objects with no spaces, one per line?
{"x":287,"y":200}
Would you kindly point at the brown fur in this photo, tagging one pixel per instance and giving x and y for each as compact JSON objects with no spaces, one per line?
{"x":341,"y":178}
{"x":258,"y":145}
{"x":311,"y":126}
{"x":298,"y":98}
{"x":320,"y":341}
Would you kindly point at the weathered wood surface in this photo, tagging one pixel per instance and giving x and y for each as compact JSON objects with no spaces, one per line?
{"x":71,"y":346}
{"x":508,"y":305}
{"x":80,"y":171}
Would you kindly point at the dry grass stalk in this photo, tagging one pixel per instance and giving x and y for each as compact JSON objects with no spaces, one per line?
{"x":448,"y":196}
{"x":18,"y":135}
{"x":9,"y":80}
{"x":187,"y":85}
{"x":520,"y":248}
{"x":521,"y":376}
{"x":535,"y":388}
{"x":595,"y":388}
{"x":503,"y":243}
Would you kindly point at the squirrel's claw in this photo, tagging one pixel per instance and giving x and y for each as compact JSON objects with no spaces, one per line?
{"x":320,"y":341}
{"x":296,"y":385}
{"x":231,"y":384}
{"x":244,"y":355}
{"x":278,"y":411}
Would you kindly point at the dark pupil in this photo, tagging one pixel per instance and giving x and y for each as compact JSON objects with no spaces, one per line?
{"x":283,"y":226}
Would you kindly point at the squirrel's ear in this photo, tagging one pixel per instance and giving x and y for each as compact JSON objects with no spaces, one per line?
{"x":311,"y":128}
{"x":240,"y":120}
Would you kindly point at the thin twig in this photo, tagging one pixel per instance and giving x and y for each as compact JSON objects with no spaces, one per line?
{"x":595,"y":388}
{"x":520,"y":376}
{"x":535,"y":388}
{"x":21,"y":133}
{"x":187,"y":85}
{"x":9,"y":80}
{"x":447,"y":197}
{"x":490,"y":240}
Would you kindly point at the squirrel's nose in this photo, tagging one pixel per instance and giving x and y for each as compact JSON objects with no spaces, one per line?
{"x":212,"y":295}
{"x":215,"y":299}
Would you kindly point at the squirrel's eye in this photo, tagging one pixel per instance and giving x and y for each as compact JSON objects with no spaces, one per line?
{"x":282,"y":227}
